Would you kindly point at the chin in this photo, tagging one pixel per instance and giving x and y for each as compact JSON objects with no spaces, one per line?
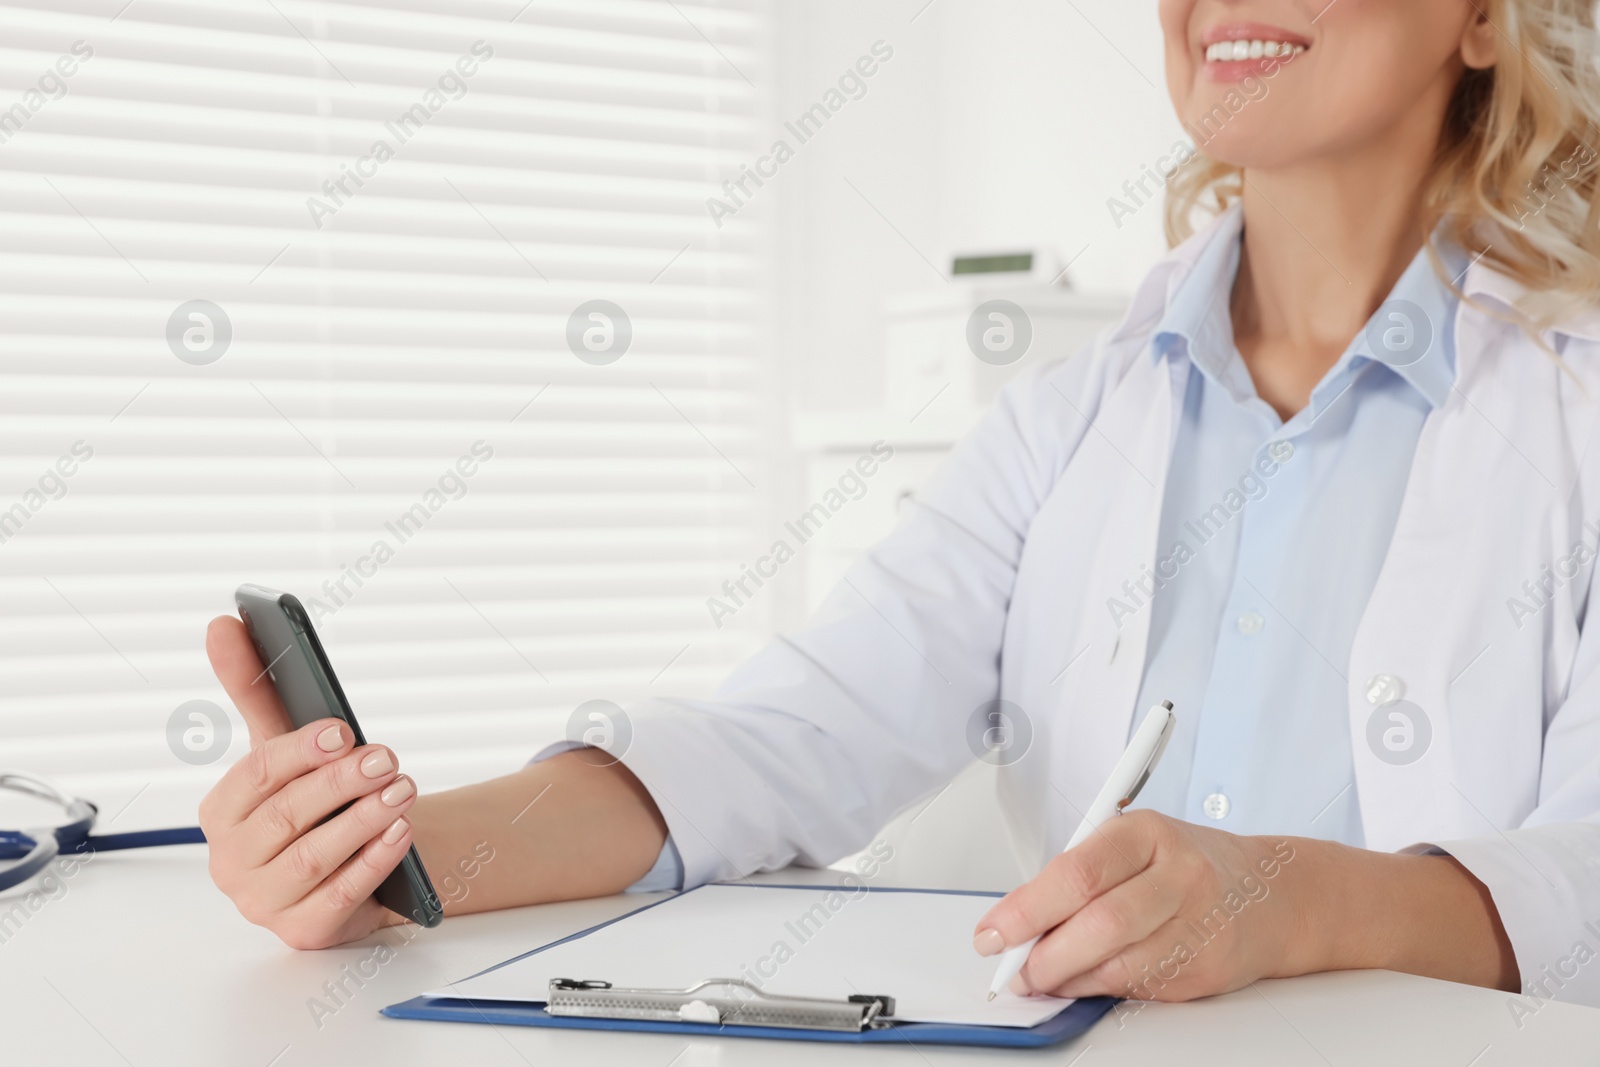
{"x":1241,"y":142}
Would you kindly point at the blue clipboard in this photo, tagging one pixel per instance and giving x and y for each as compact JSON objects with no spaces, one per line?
{"x":1069,"y":1023}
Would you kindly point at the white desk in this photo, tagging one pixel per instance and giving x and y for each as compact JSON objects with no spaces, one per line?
{"x":142,"y":962}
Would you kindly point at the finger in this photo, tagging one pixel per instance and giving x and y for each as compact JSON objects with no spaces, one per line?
{"x":312,"y":857}
{"x":1121,"y":917}
{"x":1112,"y":855}
{"x":1161,"y":967}
{"x":349,"y":887}
{"x":243,"y":675}
{"x":334,"y":929}
{"x":307,"y":799}
{"x":267,"y":768}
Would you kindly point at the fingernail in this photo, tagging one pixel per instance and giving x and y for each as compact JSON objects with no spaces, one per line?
{"x":331,"y":739}
{"x":377,"y":764}
{"x":399,"y":792}
{"x":1018,"y":986}
{"x":989,"y":942}
{"x":396,"y":831}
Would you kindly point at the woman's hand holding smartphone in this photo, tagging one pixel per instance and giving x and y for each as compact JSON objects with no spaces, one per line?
{"x":308,"y":881}
{"x":310,"y":830}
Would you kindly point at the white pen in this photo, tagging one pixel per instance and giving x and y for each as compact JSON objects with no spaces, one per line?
{"x":1127,"y":778}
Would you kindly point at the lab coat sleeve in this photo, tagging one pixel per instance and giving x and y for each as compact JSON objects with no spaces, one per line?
{"x":1544,"y":875}
{"x":816,"y":742}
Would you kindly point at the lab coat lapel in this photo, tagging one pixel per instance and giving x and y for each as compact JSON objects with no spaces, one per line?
{"x":1139,"y":421}
{"x":1491,"y":480}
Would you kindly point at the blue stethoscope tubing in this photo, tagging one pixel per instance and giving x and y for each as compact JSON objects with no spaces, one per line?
{"x":34,"y":849}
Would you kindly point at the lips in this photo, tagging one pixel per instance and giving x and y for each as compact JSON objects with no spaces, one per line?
{"x":1252,"y":31}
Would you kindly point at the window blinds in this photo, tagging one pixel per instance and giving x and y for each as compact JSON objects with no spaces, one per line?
{"x":285,"y":281}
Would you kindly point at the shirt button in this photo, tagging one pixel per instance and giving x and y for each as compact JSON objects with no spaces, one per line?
{"x":1216,"y":806}
{"x":1384,"y":688}
{"x":1250,"y":623}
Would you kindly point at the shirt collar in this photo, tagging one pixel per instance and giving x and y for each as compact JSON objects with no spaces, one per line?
{"x":1197,"y":322}
{"x":1433,"y":374}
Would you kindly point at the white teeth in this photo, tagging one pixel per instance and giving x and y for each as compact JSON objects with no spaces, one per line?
{"x":1233,"y":51}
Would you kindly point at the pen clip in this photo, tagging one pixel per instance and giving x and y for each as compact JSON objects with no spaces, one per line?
{"x":1150,"y":763}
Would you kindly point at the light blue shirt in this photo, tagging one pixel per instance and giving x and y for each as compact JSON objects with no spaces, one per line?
{"x":1247,"y":635}
{"x":1261,"y":603}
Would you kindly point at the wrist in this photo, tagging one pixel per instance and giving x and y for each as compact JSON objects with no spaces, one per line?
{"x":1313,"y":887}
{"x":1356,"y":909}
{"x":1348,"y":906}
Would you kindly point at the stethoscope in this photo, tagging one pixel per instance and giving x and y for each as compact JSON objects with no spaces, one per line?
{"x":34,"y":849}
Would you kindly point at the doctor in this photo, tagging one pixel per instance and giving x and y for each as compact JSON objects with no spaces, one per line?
{"x":1331,"y":486}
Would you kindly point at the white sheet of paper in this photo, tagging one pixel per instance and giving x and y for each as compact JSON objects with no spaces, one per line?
{"x":915,"y":947}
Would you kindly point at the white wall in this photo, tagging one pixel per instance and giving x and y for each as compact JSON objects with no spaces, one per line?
{"x":997,"y":124}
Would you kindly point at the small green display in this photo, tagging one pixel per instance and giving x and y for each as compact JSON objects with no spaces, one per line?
{"x":1009,"y":263}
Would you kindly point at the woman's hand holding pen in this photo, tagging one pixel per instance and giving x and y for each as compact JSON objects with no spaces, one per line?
{"x":1152,"y":908}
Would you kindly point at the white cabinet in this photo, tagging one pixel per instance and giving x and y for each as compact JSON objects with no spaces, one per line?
{"x":962,"y":343}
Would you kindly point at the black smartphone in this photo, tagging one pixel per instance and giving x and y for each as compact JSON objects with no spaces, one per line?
{"x":288,"y":646}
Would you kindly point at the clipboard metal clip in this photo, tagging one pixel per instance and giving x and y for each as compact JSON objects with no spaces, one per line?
{"x":717,"y":1002}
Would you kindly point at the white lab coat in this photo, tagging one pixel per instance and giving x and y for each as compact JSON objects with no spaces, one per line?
{"x":996,"y":583}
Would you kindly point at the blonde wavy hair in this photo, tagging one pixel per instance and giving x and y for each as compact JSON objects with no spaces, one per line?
{"x":1515,"y":179}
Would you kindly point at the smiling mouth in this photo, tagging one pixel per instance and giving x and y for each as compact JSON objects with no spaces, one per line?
{"x":1240,"y":49}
